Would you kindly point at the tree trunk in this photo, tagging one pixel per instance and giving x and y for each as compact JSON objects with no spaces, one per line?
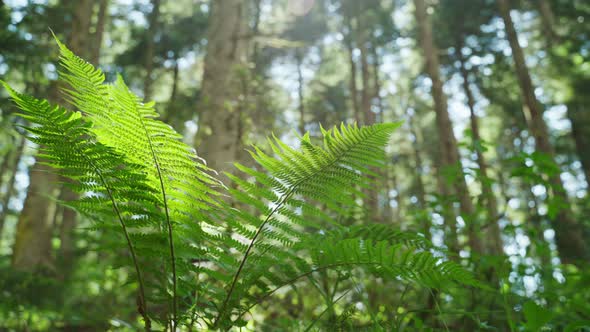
{"x":98,"y":35}
{"x":80,"y":43}
{"x":5,"y":165}
{"x":377,"y":85}
{"x":150,"y":49}
{"x":12,"y":162}
{"x":449,"y":151}
{"x":366,"y":93}
{"x":493,"y":241}
{"x":32,"y":247}
{"x":169,"y":117}
{"x":548,"y":21}
{"x":352,"y":67}
{"x":225,"y":62}
{"x":299,"y":59}
{"x":578,"y":111}
{"x":569,"y":234}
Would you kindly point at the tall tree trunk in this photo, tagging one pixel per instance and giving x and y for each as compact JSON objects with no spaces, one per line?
{"x":548,"y":21}
{"x":449,"y":151}
{"x":153,"y":22}
{"x":578,"y":111}
{"x":32,"y":246}
{"x":98,"y":34}
{"x":5,"y":165}
{"x":492,"y":238}
{"x":11,"y":161}
{"x":225,"y":62}
{"x":377,"y":84}
{"x":569,"y":234}
{"x":299,"y":59}
{"x":352,"y":67}
{"x":80,"y":43}
{"x":420,"y":188}
{"x":169,"y":117}
{"x":367,"y":92}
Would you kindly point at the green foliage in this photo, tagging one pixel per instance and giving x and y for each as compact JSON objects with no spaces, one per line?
{"x":203,"y":253}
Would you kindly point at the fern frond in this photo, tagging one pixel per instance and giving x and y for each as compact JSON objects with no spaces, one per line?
{"x":67,"y":144}
{"x":298,"y":180}
{"x":122,"y":121}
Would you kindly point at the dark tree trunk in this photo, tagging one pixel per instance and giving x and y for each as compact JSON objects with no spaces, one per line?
{"x":352,"y":67}
{"x":493,"y":241}
{"x":11,"y":161}
{"x":301,"y":106}
{"x":154,"y":18}
{"x":99,"y":32}
{"x":449,"y":152}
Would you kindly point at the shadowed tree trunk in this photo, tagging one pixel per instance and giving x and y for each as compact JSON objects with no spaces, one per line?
{"x":449,"y":151}
{"x":11,"y":161}
{"x":492,"y":239}
{"x":150,"y":49}
{"x":32,"y":247}
{"x":548,"y":21}
{"x":169,"y":115}
{"x":225,"y":64}
{"x":32,"y":244}
{"x":569,"y":234}
{"x":98,"y":34}
{"x":299,"y":59}
{"x":81,"y":44}
{"x":353,"y":89}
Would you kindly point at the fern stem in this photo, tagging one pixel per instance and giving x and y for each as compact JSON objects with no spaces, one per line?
{"x":324,"y":311}
{"x":303,"y":275}
{"x":168,"y":226}
{"x":247,"y":253}
{"x":142,"y":300}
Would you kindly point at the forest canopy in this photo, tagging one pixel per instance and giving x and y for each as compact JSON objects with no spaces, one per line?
{"x":294,"y":165}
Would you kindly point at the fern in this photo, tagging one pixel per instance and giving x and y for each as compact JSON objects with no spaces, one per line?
{"x":115,"y":183}
{"x":283,"y":222}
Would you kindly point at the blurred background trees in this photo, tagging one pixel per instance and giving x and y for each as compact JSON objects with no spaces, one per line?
{"x":492,"y":161}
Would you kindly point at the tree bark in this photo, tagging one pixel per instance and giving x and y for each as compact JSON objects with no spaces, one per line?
{"x":578,"y":111}
{"x":11,"y":163}
{"x":225,"y":62}
{"x":169,"y":117}
{"x":352,"y":67}
{"x":98,"y":35}
{"x":548,"y":21}
{"x":32,"y":247}
{"x":569,"y":234}
{"x":80,"y":43}
{"x":449,"y":151}
{"x":493,"y":240}
{"x":299,"y":59}
{"x":150,"y":49}
{"x":377,"y":85}
{"x":366,"y":93}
